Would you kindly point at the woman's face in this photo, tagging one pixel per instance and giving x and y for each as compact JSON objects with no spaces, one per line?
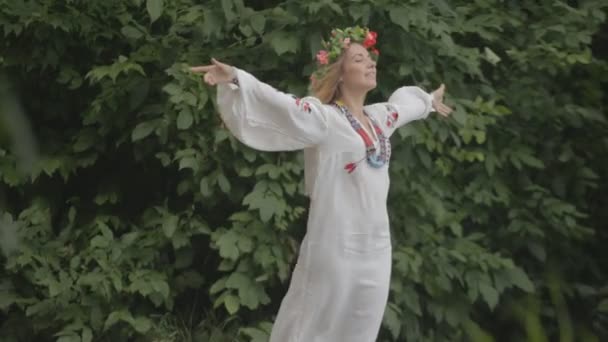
{"x":359,"y":69}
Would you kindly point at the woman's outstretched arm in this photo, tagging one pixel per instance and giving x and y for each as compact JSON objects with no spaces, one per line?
{"x":261,"y":116}
{"x":407,"y":104}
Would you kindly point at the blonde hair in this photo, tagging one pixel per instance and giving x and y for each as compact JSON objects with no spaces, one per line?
{"x":325,"y":87}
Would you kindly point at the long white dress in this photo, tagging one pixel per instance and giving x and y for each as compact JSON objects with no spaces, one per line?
{"x":340,"y":284}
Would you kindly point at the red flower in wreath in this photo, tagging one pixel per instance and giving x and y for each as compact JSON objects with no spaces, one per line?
{"x":370,"y":39}
{"x":323,"y":57}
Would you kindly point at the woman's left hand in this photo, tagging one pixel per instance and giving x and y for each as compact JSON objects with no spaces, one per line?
{"x":438,"y":104}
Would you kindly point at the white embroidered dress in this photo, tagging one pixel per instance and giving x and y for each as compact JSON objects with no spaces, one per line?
{"x":340,"y":284}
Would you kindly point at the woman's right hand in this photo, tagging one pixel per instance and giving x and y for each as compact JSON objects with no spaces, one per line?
{"x":438,"y":104}
{"x":216,"y":73}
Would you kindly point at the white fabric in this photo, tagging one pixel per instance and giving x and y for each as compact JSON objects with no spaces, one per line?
{"x":340,"y":284}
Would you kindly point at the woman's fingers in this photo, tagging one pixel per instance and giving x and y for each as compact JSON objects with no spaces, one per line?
{"x":215,"y":73}
{"x":228,"y":70}
{"x":220,"y":65}
{"x":438,"y":94}
{"x":442,"y":109}
{"x":202,"y":68}
{"x":445,"y":108}
{"x":209,"y":79}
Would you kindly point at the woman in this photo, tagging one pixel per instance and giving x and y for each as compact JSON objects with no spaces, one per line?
{"x":340,"y":284}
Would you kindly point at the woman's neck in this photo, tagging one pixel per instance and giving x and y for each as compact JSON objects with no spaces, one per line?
{"x":354,"y":102}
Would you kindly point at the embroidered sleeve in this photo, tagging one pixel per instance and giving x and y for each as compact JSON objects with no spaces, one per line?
{"x":406,"y":104}
{"x":267,"y":119}
{"x":391,"y":116}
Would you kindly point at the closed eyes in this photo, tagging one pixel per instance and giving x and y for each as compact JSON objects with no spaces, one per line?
{"x":358,"y":58}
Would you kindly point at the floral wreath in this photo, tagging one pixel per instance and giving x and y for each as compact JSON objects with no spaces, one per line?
{"x":339,"y":41}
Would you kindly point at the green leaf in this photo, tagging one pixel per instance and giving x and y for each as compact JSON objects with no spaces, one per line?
{"x":205,"y":189}
{"x":142,"y":325}
{"x":116,"y":316}
{"x":184,"y":119}
{"x":87,"y":335}
{"x":283,"y":42}
{"x":237,"y":280}
{"x":218,"y":286}
{"x":400,"y":16}
{"x":189,"y":163}
{"x":358,"y":11}
{"x":170,"y":224}
{"x":246,"y":30}
{"x":227,"y":244}
{"x":456,"y":229}
{"x":161,"y":287}
{"x":221,"y":135}
{"x":142,"y":130}
{"x":232,"y":304}
{"x":245,"y":244}
{"x":256,"y":335}
{"x":520,"y":279}
{"x":489,"y":294}
{"x":257,"y":23}
{"x":183,"y":258}
{"x":69,"y":338}
{"x":84,"y":141}
{"x":131,"y":32}
{"x":228,"y":12}
{"x":8,"y":233}
{"x":190,"y":279}
{"x":266,"y":201}
{"x":155,"y":9}
{"x":243,"y":216}
{"x":99,"y":241}
{"x":6,"y":299}
{"x":531,"y":161}
{"x":54,"y":288}
{"x":480,"y":136}
{"x":491,"y":56}
{"x":192,"y":15}
{"x":252,"y":296}
{"x":391,"y":320}
{"x":459,"y":115}
{"x":173,"y":89}
{"x":223,"y":182}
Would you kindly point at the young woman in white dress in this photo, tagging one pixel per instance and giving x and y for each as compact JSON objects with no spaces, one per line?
{"x":340,"y":284}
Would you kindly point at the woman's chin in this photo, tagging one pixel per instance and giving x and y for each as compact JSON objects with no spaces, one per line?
{"x":367,"y":85}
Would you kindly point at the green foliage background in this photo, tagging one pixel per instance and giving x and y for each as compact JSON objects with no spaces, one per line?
{"x":139,"y":218}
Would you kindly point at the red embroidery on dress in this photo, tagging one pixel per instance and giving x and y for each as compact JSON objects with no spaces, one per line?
{"x":391,"y":119}
{"x":350,"y":167}
{"x":306,"y":107}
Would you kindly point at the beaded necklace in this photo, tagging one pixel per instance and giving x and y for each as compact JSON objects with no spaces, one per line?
{"x":375,"y":158}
